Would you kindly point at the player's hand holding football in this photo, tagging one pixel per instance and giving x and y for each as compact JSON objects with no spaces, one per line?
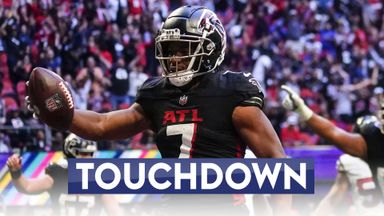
{"x":30,"y":105}
{"x":292,"y":101}
{"x":50,"y":99}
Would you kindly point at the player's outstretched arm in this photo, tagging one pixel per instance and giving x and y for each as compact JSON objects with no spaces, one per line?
{"x":50,"y":100}
{"x":351,"y":143}
{"x":334,"y":197}
{"x":23,"y":184}
{"x":113,"y":125}
{"x":257,"y":132}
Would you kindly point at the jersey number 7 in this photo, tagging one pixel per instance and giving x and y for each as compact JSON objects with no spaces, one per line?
{"x":188,"y":134}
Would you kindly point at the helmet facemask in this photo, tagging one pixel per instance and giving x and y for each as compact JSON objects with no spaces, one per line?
{"x":76,"y":147}
{"x":181,"y":55}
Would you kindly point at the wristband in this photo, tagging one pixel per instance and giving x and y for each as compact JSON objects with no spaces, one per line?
{"x":15,"y":174}
{"x":305,"y":112}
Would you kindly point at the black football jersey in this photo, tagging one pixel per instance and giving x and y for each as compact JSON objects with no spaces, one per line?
{"x":69,"y":204}
{"x":198,"y":122}
{"x":369,"y":128}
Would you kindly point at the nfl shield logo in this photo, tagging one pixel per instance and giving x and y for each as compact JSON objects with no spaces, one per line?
{"x":183,"y":100}
{"x":54,"y":103}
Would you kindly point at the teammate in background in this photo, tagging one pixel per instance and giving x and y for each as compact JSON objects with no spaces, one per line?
{"x":366,"y":142}
{"x":196,"y":109}
{"x":55,"y":181}
{"x":354,"y":175}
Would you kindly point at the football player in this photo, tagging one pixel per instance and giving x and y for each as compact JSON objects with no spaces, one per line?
{"x":196,"y":108}
{"x":55,"y":181}
{"x":353,"y":175}
{"x":366,"y":142}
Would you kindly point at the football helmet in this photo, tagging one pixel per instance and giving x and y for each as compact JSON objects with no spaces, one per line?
{"x":191,"y":42}
{"x":74,"y":145}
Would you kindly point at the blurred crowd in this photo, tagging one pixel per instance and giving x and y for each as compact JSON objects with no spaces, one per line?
{"x":331,"y":51}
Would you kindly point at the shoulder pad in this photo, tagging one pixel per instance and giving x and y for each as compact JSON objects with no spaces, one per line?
{"x":243,"y":79}
{"x":50,"y":170}
{"x":63,"y":163}
{"x":152,"y":87}
{"x":152,"y":83}
{"x":247,"y":87}
{"x":54,"y":167}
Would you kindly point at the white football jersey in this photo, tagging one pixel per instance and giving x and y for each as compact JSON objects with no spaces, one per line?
{"x":365,"y":193}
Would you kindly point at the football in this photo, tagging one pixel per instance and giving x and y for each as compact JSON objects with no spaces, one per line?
{"x":51,"y":98}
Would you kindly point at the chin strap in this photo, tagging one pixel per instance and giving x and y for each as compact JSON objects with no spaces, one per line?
{"x":181,"y":80}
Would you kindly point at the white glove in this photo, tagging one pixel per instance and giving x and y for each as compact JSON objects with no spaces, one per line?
{"x":293,"y":101}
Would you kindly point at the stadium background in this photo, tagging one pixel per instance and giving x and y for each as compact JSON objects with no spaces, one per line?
{"x":331,"y":51}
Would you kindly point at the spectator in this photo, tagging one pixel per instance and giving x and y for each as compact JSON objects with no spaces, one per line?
{"x":2,"y":111}
{"x":262,"y":65}
{"x":136,"y":78}
{"x":51,"y":61}
{"x":91,"y":71}
{"x":4,"y":144}
{"x":120,"y":84}
{"x":39,"y":143}
{"x":80,"y":91}
{"x":290,"y":132}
